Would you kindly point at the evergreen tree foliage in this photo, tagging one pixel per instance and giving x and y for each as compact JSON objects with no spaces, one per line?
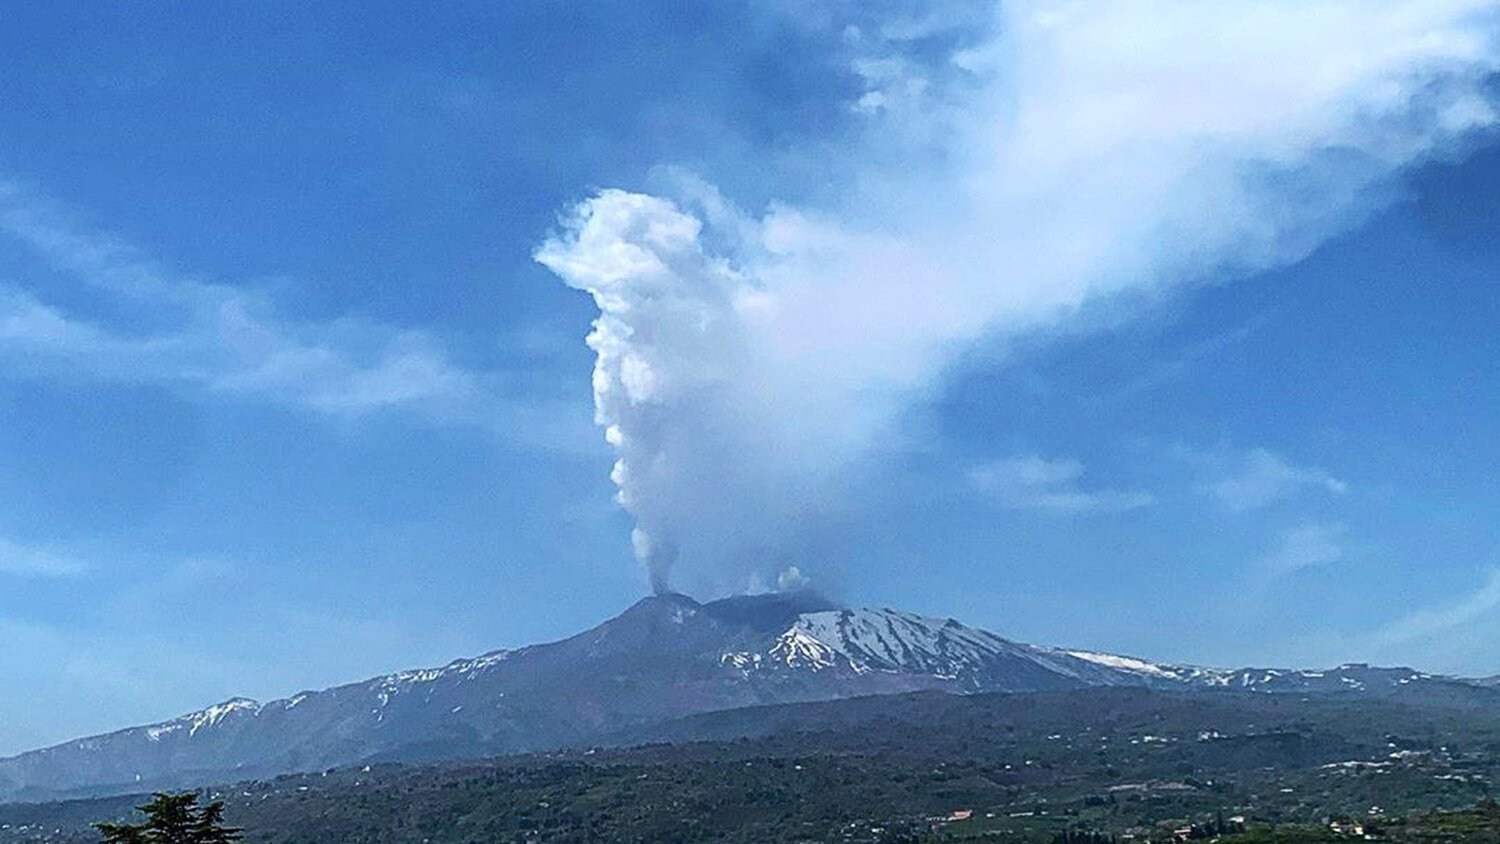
{"x":173,"y":819}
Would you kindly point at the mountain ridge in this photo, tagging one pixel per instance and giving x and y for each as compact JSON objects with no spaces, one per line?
{"x":666,"y":657}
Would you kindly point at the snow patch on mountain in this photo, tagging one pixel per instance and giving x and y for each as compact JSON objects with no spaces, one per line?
{"x":194,"y":722}
{"x":797,"y":648}
{"x":1156,"y":671}
{"x":891,"y":640}
{"x":1126,"y":663}
{"x":895,"y":642}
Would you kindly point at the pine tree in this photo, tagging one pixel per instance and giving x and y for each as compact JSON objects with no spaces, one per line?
{"x":117,"y":833}
{"x":173,"y":819}
{"x":210,"y":828}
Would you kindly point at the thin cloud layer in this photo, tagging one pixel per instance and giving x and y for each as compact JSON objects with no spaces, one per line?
{"x":1307,"y":546}
{"x":1062,"y":155}
{"x":1264,"y":478}
{"x":1049,"y":486}
{"x":26,"y":561}
{"x":213,"y":337}
{"x":1432,"y":622}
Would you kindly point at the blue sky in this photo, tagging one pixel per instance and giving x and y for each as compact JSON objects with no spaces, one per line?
{"x":286,"y":398}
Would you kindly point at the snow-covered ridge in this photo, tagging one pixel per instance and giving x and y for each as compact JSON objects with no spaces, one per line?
{"x":797,"y":648}
{"x":892,"y":641}
{"x":385,"y":688}
{"x":194,"y":721}
{"x":887,"y":640}
{"x":457,"y":668}
{"x":1157,"y":672}
{"x":1127,"y":663}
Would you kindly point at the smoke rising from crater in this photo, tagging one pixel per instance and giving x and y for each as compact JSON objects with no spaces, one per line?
{"x":1068,"y":154}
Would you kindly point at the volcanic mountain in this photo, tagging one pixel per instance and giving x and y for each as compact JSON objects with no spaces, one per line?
{"x":665,"y":658}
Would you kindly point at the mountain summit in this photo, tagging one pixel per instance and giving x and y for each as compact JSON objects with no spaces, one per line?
{"x":666,"y":657}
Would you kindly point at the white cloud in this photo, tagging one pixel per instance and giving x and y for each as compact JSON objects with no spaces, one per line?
{"x":1435,"y":623}
{"x":1049,"y":486}
{"x":26,"y":561}
{"x":229,"y":341}
{"x":1306,"y":546}
{"x":1068,"y":155}
{"x":1263,"y":478}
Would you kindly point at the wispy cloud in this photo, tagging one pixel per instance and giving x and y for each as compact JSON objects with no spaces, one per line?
{"x":26,"y":561}
{"x":1185,"y":361}
{"x":232,"y":342}
{"x":1306,"y":546}
{"x":1439,"y":622}
{"x":1049,"y":486}
{"x":1263,"y":477}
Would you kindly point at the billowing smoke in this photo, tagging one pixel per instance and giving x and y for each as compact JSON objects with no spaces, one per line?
{"x":671,"y":349}
{"x":1066,"y":155}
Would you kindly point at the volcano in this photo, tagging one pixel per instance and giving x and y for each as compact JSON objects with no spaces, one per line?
{"x":665,"y":658}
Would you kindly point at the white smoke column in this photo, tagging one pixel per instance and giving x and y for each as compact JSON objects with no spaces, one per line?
{"x":1081,"y":154}
{"x":669,"y":344}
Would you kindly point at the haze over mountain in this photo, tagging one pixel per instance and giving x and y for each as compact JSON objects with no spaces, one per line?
{"x":665,"y":658}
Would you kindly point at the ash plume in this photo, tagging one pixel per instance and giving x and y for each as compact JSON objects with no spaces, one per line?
{"x":1059,"y":155}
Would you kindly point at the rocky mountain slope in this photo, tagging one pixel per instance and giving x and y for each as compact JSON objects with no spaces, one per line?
{"x":664,"y":658}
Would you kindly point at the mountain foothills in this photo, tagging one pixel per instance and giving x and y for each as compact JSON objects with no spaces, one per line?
{"x":644,"y":675}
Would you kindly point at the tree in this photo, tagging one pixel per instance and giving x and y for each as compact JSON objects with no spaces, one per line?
{"x":210,"y":828}
{"x":118,"y":833}
{"x":173,"y":819}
